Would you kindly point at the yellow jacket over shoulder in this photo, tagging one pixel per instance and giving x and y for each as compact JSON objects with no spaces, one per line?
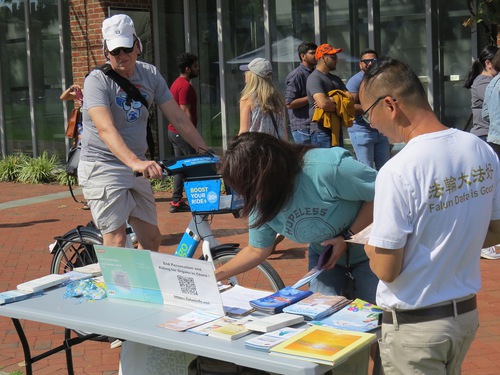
{"x":344,"y":116}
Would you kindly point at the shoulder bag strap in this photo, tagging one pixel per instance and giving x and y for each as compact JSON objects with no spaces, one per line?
{"x":134,"y":93}
{"x":275,"y":125}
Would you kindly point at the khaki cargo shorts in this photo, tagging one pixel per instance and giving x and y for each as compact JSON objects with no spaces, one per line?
{"x":114,"y":194}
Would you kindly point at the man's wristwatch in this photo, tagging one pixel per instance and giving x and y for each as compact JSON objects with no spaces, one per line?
{"x":347,"y":234}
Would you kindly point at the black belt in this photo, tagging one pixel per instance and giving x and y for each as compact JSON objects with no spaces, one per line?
{"x":430,"y":313}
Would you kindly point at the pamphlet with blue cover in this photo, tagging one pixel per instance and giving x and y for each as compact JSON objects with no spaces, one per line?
{"x":275,"y":302}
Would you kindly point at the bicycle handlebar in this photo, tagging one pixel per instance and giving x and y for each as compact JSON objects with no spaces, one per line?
{"x":198,"y":165}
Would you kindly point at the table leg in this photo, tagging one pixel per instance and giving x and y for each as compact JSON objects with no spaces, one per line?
{"x":66,"y":346}
{"x":25,"y":345}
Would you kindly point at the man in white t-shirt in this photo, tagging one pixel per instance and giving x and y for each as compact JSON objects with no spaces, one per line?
{"x":437,"y":203}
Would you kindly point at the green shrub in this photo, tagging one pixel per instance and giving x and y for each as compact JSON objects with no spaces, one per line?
{"x":165,"y":184}
{"x":11,"y":166}
{"x":39,"y":170}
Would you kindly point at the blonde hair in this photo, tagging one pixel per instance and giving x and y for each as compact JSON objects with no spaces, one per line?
{"x":261,"y":92}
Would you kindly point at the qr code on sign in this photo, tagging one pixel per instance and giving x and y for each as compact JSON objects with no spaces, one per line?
{"x":187,"y":285}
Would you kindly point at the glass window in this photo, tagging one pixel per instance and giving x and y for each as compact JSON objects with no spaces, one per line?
{"x":14,"y":77}
{"x":455,"y":49}
{"x":204,"y":25}
{"x":336,"y":31}
{"x":243,"y":31}
{"x":46,"y":64}
{"x":293,"y":23}
{"x":403,"y":32}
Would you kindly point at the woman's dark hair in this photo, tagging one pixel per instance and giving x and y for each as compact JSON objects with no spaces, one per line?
{"x":479,"y":64}
{"x":262,"y":169}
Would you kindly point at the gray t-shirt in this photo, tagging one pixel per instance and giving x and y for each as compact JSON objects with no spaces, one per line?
{"x":318,"y":82}
{"x":478,"y":88}
{"x":130,"y":119}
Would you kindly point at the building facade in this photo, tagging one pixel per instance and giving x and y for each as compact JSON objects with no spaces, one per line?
{"x":46,"y":45}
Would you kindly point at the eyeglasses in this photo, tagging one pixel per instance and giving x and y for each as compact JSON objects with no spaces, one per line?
{"x":117,"y":51}
{"x":366,"y":114}
{"x":368,"y":61}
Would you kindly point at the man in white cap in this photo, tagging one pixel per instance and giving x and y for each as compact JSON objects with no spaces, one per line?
{"x":114,"y":147}
{"x":114,"y":141}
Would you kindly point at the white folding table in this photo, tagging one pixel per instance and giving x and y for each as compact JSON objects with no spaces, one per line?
{"x":138,"y":321}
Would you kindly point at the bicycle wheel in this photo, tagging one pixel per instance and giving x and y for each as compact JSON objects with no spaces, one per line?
{"x":76,"y":249}
{"x":262,"y":277}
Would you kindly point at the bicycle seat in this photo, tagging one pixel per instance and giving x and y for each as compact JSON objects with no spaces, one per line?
{"x":191,"y":165}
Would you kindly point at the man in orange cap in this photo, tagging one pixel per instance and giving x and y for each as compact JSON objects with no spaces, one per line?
{"x":319,"y":83}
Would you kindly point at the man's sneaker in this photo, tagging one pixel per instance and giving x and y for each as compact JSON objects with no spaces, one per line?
{"x":179,"y":207}
{"x":490,"y":253}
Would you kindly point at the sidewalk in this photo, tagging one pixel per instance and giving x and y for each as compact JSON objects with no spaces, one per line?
{"x":31,"y":215}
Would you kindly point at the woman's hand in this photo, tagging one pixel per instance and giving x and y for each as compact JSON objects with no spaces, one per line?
{"x":339,"y":247}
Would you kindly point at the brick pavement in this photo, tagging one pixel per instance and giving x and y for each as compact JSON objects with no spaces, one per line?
{"x":26,"y":231}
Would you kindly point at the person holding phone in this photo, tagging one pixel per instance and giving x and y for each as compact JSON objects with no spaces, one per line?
{"x":315,"y":196}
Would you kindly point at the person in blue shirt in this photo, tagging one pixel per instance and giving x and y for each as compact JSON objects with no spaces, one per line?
{"x":371,"y":147}
{"x":296,"y":95}
{"x":315,"y":196}
{"x":491,"y":106}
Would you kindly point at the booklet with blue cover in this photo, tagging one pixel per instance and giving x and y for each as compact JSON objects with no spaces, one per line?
{"x":275,"y":302}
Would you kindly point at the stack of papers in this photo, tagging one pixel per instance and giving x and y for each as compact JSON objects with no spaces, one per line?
{"x":268,"y":340}
{"x":189,"y":320}
{"x":274,"y":322}
{"x":207,"y":328}
{"x":42,"y":283}
{"x":317,"y":306}
{"x":275,"y":302}
{"x":358,"y":316}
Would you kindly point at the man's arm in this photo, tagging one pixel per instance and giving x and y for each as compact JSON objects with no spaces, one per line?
{"x":103,"y":121}
{"x":493,"y":234}
{"x":187,"y":110}
{"x":324,"y":102}
{"x":358,"y":110}
{"x":298,"y":103}
{"x":248,"y":258}
{"x":385,"y":263}
{"x":183,"y":125}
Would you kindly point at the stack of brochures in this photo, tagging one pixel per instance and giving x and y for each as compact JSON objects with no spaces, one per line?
{"x":206,"y":329}
{"x":274,"y":322}
{"x":275,"y":302}
{"x":358,"y":316}
{"x":317,"y":306}
{"x":268,"y":340}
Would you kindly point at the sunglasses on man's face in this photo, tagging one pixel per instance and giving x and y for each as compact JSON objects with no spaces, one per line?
{"x":368,"y":61}
{"x":117,"y":51}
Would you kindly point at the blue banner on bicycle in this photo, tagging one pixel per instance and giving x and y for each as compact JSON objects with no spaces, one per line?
{"x":203,"y":195}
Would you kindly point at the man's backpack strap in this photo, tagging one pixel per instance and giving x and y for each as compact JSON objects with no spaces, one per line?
{"x":134,"y":93}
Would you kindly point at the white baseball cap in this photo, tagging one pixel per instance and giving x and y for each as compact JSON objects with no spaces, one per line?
{"x":259,"y":66}
{"x":118,"y":31}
